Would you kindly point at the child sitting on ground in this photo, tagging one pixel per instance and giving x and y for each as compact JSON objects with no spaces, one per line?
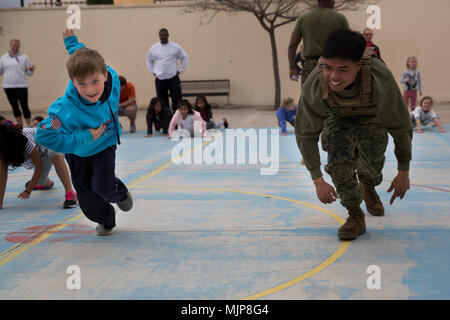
{"x":201,"y":105}
{"x":35,"y":121}
{"x":3,"y":120}
{"x":158,"y":114}
{"x":186,"y":118}
{"x":286,"y":113}
{"x":423,"y":115}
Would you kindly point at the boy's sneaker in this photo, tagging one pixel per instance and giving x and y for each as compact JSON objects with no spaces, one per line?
{"x":39,"y":187}
{"x":71,"y":200}
{"x":101,"y":231}
{"x":127,"y":204}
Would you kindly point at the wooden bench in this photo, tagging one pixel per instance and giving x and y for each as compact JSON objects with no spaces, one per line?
{"x":193,"y":88}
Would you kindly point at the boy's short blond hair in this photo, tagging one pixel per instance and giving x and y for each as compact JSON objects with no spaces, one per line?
{"x":287,"y":102}
{"x":85,"y":62}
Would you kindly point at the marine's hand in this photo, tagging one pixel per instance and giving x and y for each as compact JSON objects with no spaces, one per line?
{"x":96,"y":133}
{"x":325,"y":192}
{"x":400,"y":185}
{"x":67,"y":33}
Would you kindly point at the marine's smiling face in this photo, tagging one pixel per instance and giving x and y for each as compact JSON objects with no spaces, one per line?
{"x":91,"y":88}
{"x":340,"y":73}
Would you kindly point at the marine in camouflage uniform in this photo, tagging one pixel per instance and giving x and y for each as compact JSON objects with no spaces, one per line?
{"x":354,"y":121}
{"x":313,"y":27}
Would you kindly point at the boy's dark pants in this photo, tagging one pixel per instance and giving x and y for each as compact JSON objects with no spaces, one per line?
{"x":97,"y":186}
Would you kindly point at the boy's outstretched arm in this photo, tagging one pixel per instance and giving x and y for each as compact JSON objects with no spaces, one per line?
{"x":71,"y":41}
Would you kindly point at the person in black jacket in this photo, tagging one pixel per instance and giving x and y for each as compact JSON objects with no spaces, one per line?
{"x":158,"y":114}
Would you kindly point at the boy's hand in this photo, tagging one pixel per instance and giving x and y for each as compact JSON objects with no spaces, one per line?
{"x":96,"y":133}
{"x":148,"y":135}
{"x":284,"y":133}
{"x":400,"y":185}
{"x":419,"y":130}
{"x":32,"y":67}
{"x":68,"y":33}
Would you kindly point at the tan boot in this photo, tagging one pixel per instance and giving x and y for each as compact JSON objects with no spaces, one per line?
{"x":373,"y":203}
{"x":354,"y":226}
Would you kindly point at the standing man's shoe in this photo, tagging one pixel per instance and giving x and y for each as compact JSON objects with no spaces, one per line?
{"x":354,"y":226}
{"x":373,"y":203}
{"x":133,"y":127}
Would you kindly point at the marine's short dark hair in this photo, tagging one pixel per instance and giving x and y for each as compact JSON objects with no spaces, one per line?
{"x":344,"y":44}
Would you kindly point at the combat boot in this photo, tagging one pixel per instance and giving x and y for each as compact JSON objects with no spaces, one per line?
{"x":373,"y":203}
{"x":354,"y":226}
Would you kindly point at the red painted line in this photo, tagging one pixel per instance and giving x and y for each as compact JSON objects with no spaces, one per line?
{"x":28,"y":235}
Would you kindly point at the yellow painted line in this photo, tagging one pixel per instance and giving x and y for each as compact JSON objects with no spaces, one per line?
{"x":20,"y":248}
{"x":331,"y":259}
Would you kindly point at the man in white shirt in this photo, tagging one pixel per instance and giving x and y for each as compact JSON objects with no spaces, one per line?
{"x":162,"y":62}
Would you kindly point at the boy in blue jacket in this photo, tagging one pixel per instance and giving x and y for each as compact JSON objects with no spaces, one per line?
{"x":83,"y":124}
{"x":286,"y":113}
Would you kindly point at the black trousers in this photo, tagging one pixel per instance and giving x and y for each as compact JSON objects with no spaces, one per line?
{"x":16,"y":95}
{"x":174,"y":86}
{"x":97,"y":186}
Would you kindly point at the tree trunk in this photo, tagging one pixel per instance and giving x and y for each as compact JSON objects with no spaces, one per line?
{"x":276,"y":71}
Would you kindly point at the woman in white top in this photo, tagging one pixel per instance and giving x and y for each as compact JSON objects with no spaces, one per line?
{"x":13,"y":66}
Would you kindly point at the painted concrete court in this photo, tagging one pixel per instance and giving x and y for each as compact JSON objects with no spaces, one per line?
{"x":228,"y":232}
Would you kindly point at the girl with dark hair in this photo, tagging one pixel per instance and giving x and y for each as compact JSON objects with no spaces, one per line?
{"x":187,"y":119}
{"x":158,"y":114}
{"x":18,"y":148}
{"x":201,"y":105}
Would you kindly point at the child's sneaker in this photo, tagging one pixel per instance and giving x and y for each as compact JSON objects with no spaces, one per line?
{"x":101,"y":231}
{"x":127,"y":204}
{"x":39,"y":187}
{"x":71,"y":200}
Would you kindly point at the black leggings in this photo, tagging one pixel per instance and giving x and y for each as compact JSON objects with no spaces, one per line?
{"x":16,"y":95}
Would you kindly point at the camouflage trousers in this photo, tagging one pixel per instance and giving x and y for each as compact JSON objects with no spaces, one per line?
{"x":307,"y":67}
{"x":356,"y":147}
